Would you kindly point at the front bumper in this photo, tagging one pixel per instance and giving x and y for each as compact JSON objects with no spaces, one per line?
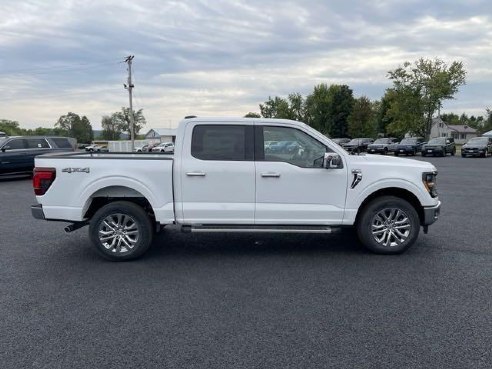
{"x":433,"y":151}
{"x":431,"y":214}
{"x":473,"y":152}
{"x":37,"y":211}
{"x":405,"y":150}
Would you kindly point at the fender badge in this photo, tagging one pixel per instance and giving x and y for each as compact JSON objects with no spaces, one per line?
{"x":78,"y":170}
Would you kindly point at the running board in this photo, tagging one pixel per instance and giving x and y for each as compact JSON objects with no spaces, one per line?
{"x":257,"y":229}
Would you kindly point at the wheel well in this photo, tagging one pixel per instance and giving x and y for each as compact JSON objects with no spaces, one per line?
{"x":116,"y":193}
{"x":397,"y":192}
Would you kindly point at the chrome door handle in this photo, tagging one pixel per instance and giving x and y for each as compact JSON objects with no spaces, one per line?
{"x":195,"y":174}
{"x":270,"y":175}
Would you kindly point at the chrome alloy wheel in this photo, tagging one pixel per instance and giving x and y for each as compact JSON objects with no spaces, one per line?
{"x":118,"y":233}
{"x":390,"y":227}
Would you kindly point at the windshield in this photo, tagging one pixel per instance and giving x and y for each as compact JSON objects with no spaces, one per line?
{"x":408,"y":141}
{"x":440,"y":140}
{"x":355,"y":141}
{"x":381,"y":141}
{"x":478,"y":140}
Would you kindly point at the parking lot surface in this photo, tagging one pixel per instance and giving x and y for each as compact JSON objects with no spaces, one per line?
{"x":252,"y":301}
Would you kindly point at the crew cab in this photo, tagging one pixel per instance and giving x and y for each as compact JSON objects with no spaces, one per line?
{"x":222,"y":179}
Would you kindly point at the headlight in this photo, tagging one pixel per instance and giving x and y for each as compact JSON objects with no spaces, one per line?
{"x":429,"y":179}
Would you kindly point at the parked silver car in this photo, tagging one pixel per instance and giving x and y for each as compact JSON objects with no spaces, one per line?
{"x":164,"y":147}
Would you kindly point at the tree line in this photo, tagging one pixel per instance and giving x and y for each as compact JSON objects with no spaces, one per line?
{"x":417,"y":93}
{"x":80,"y":128}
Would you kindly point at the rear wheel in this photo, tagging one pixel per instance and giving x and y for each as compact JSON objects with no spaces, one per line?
{"x":121,"y":231}
{"x":453,"y":152}
{"x":388,"y":225}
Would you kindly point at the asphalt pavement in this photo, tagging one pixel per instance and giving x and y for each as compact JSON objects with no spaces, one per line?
{"x":252,"y":301}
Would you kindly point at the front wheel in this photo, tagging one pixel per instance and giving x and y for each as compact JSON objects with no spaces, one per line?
{"x":121,"y":231}
{"x":388,"y":225}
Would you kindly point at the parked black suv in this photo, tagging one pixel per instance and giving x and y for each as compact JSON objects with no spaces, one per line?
{"x":357,"y":145}
{"x":477,"y":146}
{"x":439,"y":146}
{"x":17,"y":153}
{"x":381,"y":145}
{"x":409,"y":146}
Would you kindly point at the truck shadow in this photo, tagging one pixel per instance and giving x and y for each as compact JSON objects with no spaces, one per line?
{"x":174,"y":243}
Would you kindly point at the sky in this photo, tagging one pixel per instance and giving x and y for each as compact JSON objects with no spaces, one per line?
{"x":224,"y":58}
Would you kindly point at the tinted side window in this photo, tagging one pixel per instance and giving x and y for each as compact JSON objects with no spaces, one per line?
{"x":37,"y":143}
{"x":222,"y":142}
{"x":291,"y":146}
{"x":62,"y":143}
{"x":16,"y":144}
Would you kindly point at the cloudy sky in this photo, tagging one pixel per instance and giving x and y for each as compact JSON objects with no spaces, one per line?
{"x":223,"y":58}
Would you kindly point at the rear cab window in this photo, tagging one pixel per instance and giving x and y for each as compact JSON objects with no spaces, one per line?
{"x":222,"y":142}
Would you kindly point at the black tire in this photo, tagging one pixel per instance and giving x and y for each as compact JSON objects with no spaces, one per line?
{"x":424,"y":154}
{"x":463,"y":155}
{"x":453,"y":152}
{"x":128,"y":247}
{"x":403,"y":213}
{"x":396,"y":154}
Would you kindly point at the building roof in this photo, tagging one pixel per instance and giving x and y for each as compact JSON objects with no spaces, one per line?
{"x":163,"y":131}
{"x":462,"y":128}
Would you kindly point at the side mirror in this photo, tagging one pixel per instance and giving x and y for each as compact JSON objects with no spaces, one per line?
{"x":332,"y":161}
{"x":448,"y":141}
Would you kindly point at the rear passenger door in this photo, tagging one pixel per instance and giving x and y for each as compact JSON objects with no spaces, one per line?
{"x":218,"y":174}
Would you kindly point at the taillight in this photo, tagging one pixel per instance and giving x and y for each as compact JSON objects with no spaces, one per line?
{"x":42,"y":180}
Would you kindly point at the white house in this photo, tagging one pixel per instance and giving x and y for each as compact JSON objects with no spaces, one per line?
{"x":460,"y":133}
{"x":161,"y":134}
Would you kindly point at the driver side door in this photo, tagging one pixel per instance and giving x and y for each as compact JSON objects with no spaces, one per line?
{"x":292,"y":187}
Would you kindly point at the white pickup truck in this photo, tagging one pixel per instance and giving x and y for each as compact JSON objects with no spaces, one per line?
{"x":237,"y":175}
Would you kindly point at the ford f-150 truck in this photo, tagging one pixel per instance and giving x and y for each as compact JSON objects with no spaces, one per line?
{"x":221,"y":179}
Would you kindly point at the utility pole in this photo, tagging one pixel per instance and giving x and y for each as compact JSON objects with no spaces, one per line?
{"x":129,"y":87}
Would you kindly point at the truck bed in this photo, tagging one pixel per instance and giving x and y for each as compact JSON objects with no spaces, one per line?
{"x":106,"y":175}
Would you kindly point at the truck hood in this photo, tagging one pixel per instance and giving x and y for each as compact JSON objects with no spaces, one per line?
{"x":393,"y":161}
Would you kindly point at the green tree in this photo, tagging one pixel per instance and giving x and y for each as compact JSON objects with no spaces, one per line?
{"x":123,"y":119}
{"x":252,"y":115}
{"x":382,"y":118}
{"x":328,"y":109}
{"x":111,"y":127}
{"x":10,"y":127}
{"x":318,"y":108}
{"x":275,"y":108}
{"x":361,"y":121}
{"x":487,"y":126}
{"x":73,"y":125}
{"x":425,"y":84}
